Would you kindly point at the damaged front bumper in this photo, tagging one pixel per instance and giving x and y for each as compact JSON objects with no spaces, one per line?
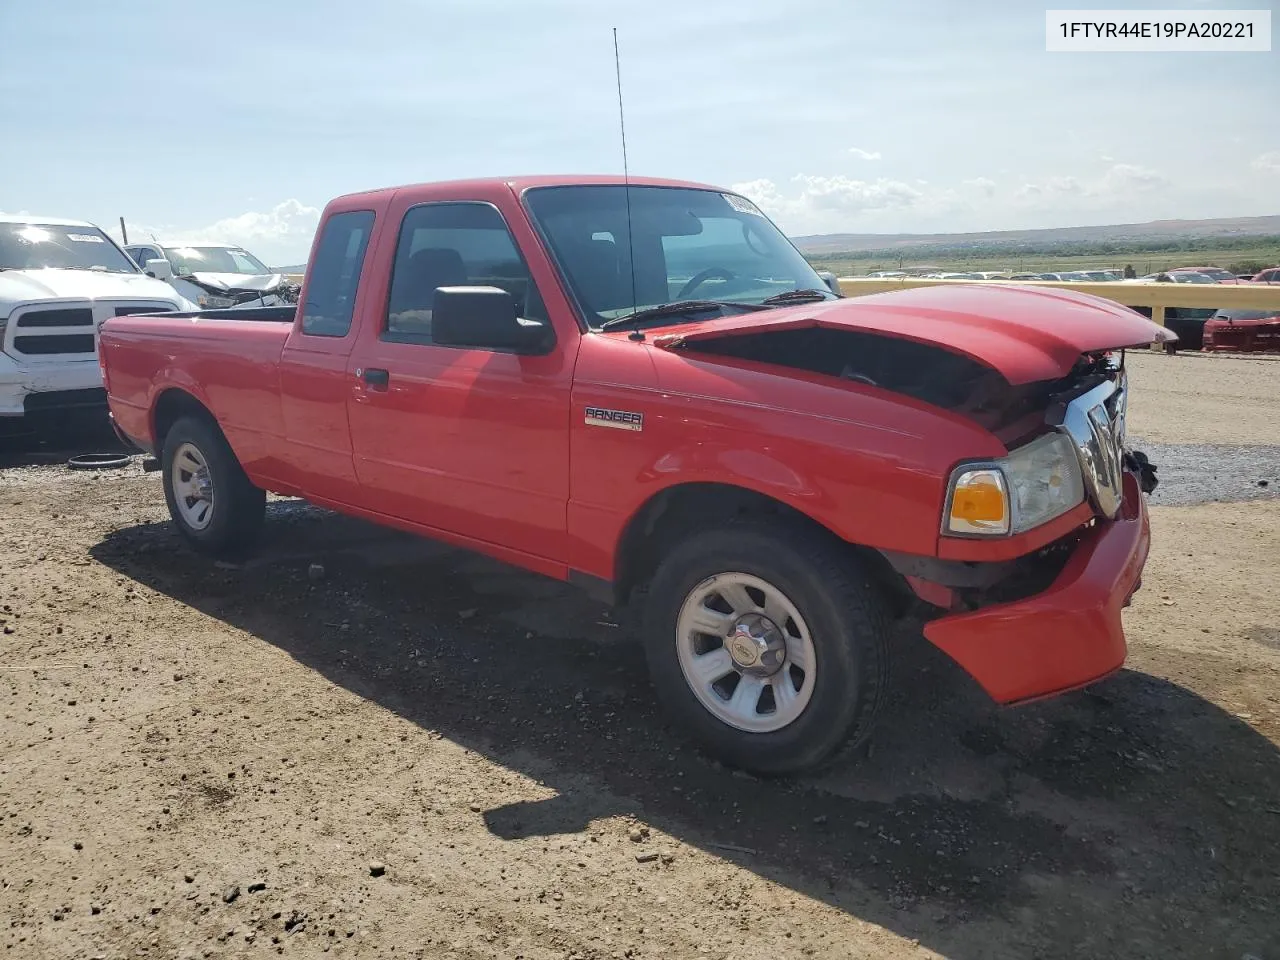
{"x":1068,"y":635}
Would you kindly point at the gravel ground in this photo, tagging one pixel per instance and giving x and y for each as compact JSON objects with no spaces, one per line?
{"x":362,"y":744}
{"x":1202,"y":398}
{"x":1206,"y":473}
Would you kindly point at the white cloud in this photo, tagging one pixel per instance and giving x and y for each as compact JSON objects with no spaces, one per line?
{"x":1053,"y":187}
{"x":1267,"y":162}
{"x":983,"y":185}
{"x":865,"y":154}
{"x":819,"y":203}
{"x":1107,"y":159}
{"x":288,"y":225}
{"x":1119,"y":183}
{"x":1127,"y":176}
{"x":280,"y":236}
{"x":812,"y":204}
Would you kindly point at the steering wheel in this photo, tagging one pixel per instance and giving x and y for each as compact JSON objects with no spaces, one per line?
{"x":701,"y":277}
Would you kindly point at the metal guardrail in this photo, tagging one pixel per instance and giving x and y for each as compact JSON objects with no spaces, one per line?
{"x":1157,"y":296}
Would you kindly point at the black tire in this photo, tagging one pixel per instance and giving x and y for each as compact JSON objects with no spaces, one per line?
{"x":238,"y":506}
{"x":844,"y":610}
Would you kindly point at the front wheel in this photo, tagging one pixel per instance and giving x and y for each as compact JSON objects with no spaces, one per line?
{"x":215,"y":506}
{"x":768,"y":643}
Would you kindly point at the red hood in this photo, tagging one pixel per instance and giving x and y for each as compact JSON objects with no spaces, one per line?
{"x":1025,"y":333}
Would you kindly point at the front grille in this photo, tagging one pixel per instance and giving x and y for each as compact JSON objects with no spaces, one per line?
{"x":54,"y":343}
{"x":62,"y":330}
{"x":92,"y":398}
{"x":1094,"y":421}
{"x":65,"y":317}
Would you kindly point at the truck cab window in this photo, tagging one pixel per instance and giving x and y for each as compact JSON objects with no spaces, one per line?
{"x":333,"y":276}
{"x":622,"y":249}
{"x":453,"y":244}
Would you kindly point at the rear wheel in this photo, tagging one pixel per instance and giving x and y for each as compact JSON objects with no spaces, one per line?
{"x":215,"y":506}
{"x":768,"y":644}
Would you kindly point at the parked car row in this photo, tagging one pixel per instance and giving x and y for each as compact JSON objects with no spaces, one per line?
{"x":60,"y":279}
{"x":1189,"y":323}
{"x":1174,"y":275}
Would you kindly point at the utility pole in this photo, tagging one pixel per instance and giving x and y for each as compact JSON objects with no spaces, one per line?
{"x":124,"y":234}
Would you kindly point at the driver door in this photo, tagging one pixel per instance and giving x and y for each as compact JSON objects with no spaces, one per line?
{"x":467,"y":441}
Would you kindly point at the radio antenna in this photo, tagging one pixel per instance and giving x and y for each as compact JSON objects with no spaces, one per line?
{"x":626,"y":185}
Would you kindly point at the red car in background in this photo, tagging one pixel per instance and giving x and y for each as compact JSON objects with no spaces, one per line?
{"x":1244,"y":331}
{"x":1269,"y":275}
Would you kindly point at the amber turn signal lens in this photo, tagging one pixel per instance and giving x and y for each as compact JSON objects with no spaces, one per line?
{"x":979,"y":503}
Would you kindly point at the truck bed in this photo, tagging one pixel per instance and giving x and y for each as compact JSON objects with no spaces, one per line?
{"x":229,"y":360}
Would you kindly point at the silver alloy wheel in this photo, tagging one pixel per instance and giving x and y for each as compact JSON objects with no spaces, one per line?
{"x":192,"y":486}
{"x":746,"y":652}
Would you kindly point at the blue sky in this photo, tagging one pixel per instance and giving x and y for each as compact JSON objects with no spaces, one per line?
{"x":240,"y":119}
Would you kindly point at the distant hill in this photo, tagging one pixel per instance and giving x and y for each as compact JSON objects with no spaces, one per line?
{"x":1232,"y":230}
{"x":1223,"y":228}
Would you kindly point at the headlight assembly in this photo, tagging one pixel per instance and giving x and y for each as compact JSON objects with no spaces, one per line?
{"x":1034,"y":484}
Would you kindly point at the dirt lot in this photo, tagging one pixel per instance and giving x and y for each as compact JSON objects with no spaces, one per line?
{"x":203,"y":761}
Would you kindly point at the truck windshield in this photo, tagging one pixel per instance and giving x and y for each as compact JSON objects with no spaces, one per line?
{"x":34,"y":246}
{"x":688,"y":244}
{"x":189,"y":260}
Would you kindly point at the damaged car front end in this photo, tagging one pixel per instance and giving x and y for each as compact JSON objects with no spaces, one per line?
{"x":1077,"y":470}
{"x":1040,"y":548}
{"x":267,"y":290}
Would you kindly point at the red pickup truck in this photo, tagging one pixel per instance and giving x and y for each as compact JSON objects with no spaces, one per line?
{"x":644,"y":388}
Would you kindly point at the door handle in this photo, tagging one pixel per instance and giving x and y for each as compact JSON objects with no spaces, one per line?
{"x":376,"y":378}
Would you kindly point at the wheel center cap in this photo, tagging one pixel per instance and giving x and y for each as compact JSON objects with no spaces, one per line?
{"x":204,"y":485}
{"x":756,"y":645}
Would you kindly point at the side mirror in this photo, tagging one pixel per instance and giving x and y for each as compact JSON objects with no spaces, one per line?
{"x":832,"y":282}
{"x":485,"y":318}
{"x":160,"y":269}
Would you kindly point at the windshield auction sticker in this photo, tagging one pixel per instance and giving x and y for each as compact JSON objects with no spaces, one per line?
{"x":1158,"y":31}
{"x":742,"y":204}
{"x":84,"y":237}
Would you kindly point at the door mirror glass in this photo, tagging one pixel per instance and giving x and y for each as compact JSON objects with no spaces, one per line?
{"x":485,"y":318}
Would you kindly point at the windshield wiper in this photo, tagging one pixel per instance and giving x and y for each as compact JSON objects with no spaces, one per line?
{"x":796,"y":296}
{"x":679,"y":308}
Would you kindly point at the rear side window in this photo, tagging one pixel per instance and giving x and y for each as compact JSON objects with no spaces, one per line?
{"x":333,"y":276}
{"x":453,"y":244}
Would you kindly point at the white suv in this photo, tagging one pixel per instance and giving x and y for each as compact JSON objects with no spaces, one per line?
{"x":59,"y":280}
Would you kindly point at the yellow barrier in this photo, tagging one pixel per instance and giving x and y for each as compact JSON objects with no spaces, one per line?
{"x":1157,"y":296}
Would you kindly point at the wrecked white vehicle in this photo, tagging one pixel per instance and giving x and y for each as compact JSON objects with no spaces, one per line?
{"x":214,"y":275}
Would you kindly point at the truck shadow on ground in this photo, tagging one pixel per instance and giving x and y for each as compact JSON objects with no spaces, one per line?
{"x":1131,"y":819}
